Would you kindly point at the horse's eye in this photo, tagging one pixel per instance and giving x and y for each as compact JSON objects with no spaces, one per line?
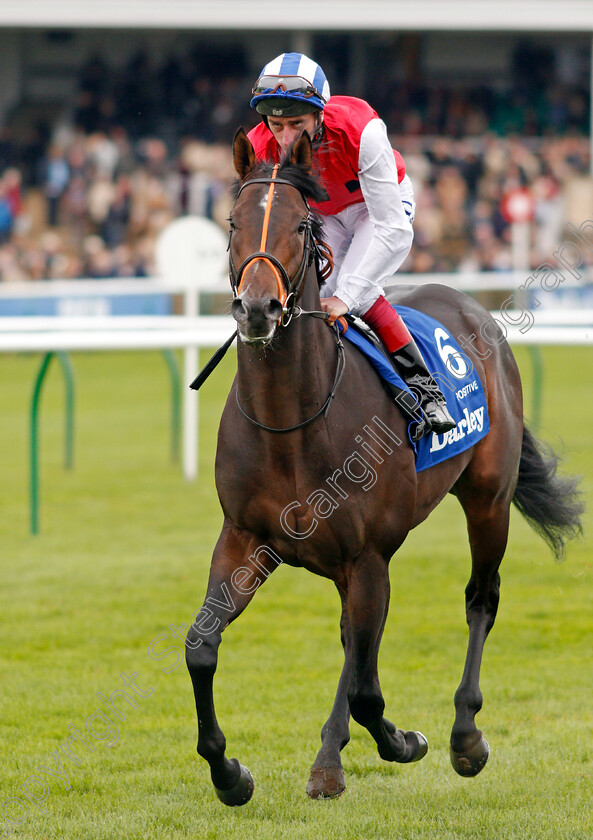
{"x":303,"y":226}
{"x":231,"y":224}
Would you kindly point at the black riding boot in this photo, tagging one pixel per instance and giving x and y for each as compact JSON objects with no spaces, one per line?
{"x":412,"y":369}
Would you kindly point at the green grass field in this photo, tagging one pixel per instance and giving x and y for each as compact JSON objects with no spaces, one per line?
{"x":123,"y":554}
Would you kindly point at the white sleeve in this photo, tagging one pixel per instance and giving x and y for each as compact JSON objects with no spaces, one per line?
{"x":375,"y":258}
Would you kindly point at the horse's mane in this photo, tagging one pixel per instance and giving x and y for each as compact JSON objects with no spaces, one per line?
{"x":310,"y":188}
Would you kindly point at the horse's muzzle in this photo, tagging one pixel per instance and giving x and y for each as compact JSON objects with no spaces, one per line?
{"x":257,"y":319}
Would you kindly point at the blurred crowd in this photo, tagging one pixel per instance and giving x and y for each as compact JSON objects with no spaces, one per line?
{"x":87,"y":195}
{"x":101,"y":201}
{"x":459,"y":186}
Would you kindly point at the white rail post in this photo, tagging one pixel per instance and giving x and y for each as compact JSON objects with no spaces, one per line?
{"x":191,"y":250}
{"x":191,"y":409}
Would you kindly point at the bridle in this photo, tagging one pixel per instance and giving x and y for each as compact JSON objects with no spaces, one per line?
{"x":289,"y":289}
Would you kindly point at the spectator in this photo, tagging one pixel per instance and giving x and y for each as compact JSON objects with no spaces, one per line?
{"x":55,"y":183}
{"x":114,"y":228}
{"x":6,"y":217}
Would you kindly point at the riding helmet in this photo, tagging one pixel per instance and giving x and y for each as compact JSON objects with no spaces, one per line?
{"x":290,"y":85}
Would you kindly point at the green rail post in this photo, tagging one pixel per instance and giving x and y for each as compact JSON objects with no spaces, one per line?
{"x":34,"y":428}
{"x":538,"y":379}
{"x":171,"y":361}
{"x":34,"y":456}
{"x":64,"y":361}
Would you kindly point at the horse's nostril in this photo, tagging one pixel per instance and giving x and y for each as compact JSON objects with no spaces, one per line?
{"x":239,"y":311}
{"x":273,"y":309}
{"x":257,"y":314}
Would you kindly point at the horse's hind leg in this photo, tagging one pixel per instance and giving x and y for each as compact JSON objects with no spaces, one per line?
{"x":368,"y":601}
{"x":327,"y":774}
{"x":487,"y":524}
{"x":234,"y":578}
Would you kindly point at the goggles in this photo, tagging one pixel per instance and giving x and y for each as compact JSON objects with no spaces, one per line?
{"x":288,"y":84}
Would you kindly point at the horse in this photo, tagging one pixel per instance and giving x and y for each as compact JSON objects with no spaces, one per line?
{"x":298,"y":404}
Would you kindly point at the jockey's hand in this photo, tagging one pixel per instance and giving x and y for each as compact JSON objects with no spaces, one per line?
{"x":334,"y":306}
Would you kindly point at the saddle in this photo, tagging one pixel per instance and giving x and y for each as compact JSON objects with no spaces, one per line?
{"x":466,"y":399}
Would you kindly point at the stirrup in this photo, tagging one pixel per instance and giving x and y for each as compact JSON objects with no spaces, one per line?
{"x":425,"y":402}
{"x":433,"y":403}
{"x":410,"y":405}
{"x":423,"y":427}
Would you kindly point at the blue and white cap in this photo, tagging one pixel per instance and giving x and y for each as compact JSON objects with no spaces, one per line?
{"x":290,"y":84}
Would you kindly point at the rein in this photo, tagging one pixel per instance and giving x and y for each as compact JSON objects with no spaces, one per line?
{"x":340,"y":367}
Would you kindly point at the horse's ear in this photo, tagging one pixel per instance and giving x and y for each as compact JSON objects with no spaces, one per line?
{"x":302,"y":153}
{"x":243,"y":154}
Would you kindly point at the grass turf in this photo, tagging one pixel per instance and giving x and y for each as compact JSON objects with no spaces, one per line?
{"x":123,"y":554}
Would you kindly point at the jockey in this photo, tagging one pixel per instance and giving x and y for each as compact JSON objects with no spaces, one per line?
{"x":367,"y":219}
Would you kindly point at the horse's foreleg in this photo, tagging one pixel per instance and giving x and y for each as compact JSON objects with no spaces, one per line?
{"x":327,"y":775}
{"x":488,"y":531}
{"x":238,"y":568}
{"x":368,"y":601}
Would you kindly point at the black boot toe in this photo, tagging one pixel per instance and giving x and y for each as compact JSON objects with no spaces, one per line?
{"x":440,"y":419}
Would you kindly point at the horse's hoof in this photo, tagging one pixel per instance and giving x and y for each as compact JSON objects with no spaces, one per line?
{"x":240,"y":793}
{"x":418,"y":743}
{"x":415,"y":745}
{"x":470,"y":762}
{"x":326,"y":783}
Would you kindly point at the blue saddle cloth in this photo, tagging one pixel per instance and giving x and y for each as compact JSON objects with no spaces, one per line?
{"x":456,"y":377}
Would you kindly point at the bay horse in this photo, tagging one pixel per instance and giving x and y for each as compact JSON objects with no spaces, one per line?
{"x":298,"y":405}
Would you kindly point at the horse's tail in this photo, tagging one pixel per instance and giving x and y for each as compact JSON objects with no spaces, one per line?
{"x":552,"y":504}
